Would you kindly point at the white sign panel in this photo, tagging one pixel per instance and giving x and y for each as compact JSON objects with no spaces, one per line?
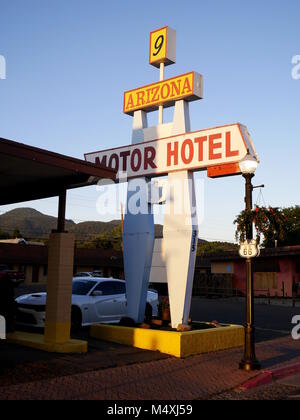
{"x":192,"y":151}
{"x":249,"y":249}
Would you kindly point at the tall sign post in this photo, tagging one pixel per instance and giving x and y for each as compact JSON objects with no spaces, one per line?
{"x":169,"y":149}
{"x":249,"y":249}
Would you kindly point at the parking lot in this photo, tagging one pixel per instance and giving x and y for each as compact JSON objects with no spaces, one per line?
{"x":271,"y":321}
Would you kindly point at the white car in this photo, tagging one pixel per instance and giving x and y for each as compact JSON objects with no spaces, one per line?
{"x":81,"y":275}
{"x":94,"y":300}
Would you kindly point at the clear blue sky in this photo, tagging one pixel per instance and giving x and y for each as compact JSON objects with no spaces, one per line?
{"x":69,"y":62}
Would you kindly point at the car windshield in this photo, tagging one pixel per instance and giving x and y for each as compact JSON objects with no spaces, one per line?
{"x":82,"y":287}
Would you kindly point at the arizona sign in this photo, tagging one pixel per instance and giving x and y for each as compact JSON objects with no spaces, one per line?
{"x":148,"y":98}
{"x":213,"y":149}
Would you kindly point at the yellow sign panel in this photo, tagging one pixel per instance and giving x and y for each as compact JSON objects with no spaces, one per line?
{"x":162,"y":47}
{"x":149,"y":98}
{"x":158,"y":45}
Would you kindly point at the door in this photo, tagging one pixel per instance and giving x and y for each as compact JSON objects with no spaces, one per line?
{"x":35,"y":273}
{"x":111,"y":305}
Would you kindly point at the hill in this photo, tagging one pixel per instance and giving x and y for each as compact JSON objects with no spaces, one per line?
{"x":30,"y":223}
{"x":88,"y":230}
{"x":35,"y":225}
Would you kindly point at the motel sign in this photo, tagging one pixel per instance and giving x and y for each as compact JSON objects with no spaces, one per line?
{"x":193,"y":152}
{"x":170,"y":149}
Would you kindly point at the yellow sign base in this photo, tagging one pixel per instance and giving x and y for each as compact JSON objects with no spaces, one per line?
{"x":178,"y":344}
{"x":37,"y":341}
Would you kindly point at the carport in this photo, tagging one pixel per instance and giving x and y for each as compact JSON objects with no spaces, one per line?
{"x":29,"y":173}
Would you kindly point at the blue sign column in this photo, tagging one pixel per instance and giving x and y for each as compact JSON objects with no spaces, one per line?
{"x":138,"y":235}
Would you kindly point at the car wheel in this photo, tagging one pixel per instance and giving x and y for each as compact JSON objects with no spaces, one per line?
{"x":76,"y":319}
{"x":148,"y":312}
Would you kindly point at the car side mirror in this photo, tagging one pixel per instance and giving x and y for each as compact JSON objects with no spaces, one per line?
{"x":97,"y":293}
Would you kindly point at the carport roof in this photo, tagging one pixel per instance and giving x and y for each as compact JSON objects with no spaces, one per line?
{"x":28,"y":173}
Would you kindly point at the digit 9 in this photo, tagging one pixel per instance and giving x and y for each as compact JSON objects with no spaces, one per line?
{"x":158,"y":45}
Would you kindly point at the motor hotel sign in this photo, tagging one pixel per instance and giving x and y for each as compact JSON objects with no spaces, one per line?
{"x":195,"y":151}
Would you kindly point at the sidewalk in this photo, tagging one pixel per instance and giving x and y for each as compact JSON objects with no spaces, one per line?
{"x":284,"y":389}
{"x":198,"y":377}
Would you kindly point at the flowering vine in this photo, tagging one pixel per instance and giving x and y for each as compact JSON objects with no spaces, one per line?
{"x":269,"y":222}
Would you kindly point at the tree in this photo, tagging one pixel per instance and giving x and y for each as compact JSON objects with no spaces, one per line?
{"x":4,"y":235}
{"x":103,"y":241}
{"x":17,"y":234}
{"x":276,"y":226}
{"x":291,"y":229}
{"x":117,"y":238}
{"x":107,"y":240}
{"x":215,"y":248}
{"x":112,"y":240}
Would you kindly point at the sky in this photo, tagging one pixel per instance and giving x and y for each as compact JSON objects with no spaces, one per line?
{"x":68,"y":63}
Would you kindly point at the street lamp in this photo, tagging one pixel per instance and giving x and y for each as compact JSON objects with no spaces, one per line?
{"x":249,"y":362}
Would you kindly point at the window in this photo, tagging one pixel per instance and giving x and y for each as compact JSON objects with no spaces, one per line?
{"x":82,"y":288}
{"x":266,"y":266}
{"x":111,"y":288}
{"x":119,"y":287}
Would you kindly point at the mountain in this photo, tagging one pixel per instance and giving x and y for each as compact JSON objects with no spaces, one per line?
{"x":31,"y":223}
{"x":88,"y":230}
{"x":35,"y":225}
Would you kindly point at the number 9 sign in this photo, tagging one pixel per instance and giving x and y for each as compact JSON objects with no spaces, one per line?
{"x":163,"y":46}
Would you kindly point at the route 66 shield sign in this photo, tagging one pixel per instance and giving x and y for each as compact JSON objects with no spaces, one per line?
{"x":249,"y":249}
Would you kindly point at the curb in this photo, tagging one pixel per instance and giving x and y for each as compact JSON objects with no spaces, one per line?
{"x":268,"y":376}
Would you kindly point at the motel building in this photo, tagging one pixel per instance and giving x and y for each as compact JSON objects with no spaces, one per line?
{"x":276,"y":271}
{"x":32,"y":260}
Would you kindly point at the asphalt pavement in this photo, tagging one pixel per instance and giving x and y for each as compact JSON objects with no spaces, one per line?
{"x":272,"y":321}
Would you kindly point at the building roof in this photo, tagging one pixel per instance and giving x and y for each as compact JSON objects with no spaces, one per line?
{"x":38,"y":255}
{"x":287,"y":251}
{"x":29,"y":173}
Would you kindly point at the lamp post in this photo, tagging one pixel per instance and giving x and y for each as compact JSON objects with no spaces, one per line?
{"x":249,"y":362}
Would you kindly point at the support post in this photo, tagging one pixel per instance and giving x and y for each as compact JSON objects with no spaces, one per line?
{"x":180,"y":230}
{"x":59,"y":287}
{"x":59,"y":281}
{"x":61,"y":221}
{"x":180,"y":244}
{"x":138,"y":236}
